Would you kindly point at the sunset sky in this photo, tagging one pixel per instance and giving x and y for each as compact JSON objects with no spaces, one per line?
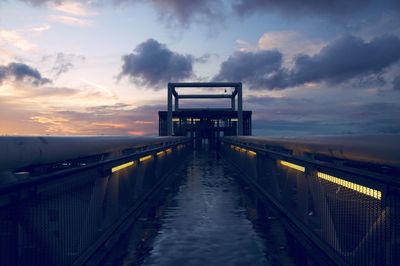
{"x":102,"y":67}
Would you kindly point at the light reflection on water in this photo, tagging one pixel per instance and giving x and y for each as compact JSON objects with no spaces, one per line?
{"x":206,"y":220}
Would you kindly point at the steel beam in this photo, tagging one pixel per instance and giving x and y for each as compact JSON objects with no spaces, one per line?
{"x":240,"y":109}
{"x":204,"y":96}
{"x":23,"y":151}
{"x":176,"y":103}
{"x":169,"y":115}
{"x":205,"y":84}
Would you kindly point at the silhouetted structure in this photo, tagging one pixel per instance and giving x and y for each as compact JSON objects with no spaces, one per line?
{"x":207,"y":123}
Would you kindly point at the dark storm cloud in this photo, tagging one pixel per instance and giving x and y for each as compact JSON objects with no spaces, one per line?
{"x":337,"y":8}
{"x":341,"y":60}
{"x":152,"y":64}
{"x":183,"y":11}
{"x":257,"y":69}
{"x":22,"y":72}
{"x":346,"y":58}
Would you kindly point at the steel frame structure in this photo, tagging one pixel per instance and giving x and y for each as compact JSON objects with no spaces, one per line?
{"x":237,"y":92}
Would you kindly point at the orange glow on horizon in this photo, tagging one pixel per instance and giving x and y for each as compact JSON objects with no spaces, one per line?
{"x":137,"y":133}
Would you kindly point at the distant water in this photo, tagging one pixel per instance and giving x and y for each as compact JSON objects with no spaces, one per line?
{"x":207,"y":220}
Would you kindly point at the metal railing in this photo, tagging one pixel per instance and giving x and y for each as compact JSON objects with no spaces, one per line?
{"x":344,"y":199}
{"x":61,"y":211}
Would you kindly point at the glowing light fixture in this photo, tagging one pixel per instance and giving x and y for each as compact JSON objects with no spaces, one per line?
{"x":253,"y":153}
{"x":122,"y":166}
{"x":293,"y":166}
{"x":145,"y":158}
{"x":160,"y":153}
{"x":353,"y":186}
{"x":168,"y":150}
{"x":237,"y":148}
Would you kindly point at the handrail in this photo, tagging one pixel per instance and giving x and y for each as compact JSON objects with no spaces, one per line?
{"x":379,"y":149}
{"x":324,"y":185}
{"x":21,"y":151}
{"x":106,"y":165}
{"x":306,"y":161}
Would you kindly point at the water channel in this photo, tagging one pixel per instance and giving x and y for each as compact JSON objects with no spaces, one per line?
{"x":206,"y":216}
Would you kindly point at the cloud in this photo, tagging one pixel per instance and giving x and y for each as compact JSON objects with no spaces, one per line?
{"x":290,"y":44}
{"x":345,"y":58}
{"x":72,"y":8}
{"x":22,"y":72}
{"x":152,"y":64}
{"x":73,"y":13}
{"x":257,"y":69}
{"x":62,"y":63}
{"x":38,"y":2}
{"x":40,"y":28}
{"x":337,"y":8}
{"x":205,"y":58}
{"x":116,"y":119}
{"x":288,"y":116}
{"x":179,"y":12}
{"x":13,"y":38}
{"x":185,"y":12}
{"x":396,"y":83}
{"x":341,"y":60}
{"x":102,"y":88}
{"x":51,"y":91}
{"x":72,"y":21}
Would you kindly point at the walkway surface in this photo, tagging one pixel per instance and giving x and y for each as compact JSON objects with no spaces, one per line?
{"x":206,"y":221}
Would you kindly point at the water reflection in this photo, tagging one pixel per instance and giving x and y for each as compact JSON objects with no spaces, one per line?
{"x":205,"y":218}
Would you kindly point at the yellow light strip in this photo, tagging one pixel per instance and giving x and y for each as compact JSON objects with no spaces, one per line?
{"x":252,"y":153}
{"x":237,"y":148}
{"x":145,"y":158}
{"x":122,"y":166}
{"x":169,"y":150}
{"x":353,"y":186}
{"x":160,"y":153}
{"x":293,"y":166}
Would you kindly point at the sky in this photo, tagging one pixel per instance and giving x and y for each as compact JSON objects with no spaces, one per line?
{"x":314,"y":67}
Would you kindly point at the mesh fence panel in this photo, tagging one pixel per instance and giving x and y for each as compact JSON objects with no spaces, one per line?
{"x":357,"y":220}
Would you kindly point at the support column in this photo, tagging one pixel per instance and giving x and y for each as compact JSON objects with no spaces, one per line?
{"x":176,"y":103}
{"x":233,"y":103}
{"x":240,"y":110}
{"x":169,"y":115}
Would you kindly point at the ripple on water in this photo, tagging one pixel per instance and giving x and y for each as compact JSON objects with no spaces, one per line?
{"x":205,"y":225}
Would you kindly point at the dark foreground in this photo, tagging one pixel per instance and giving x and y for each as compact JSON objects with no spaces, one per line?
{"x":205,"y":217}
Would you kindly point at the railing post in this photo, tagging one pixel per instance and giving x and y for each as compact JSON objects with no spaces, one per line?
{"x":240,"y":110}
{"x":169,"y":115}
